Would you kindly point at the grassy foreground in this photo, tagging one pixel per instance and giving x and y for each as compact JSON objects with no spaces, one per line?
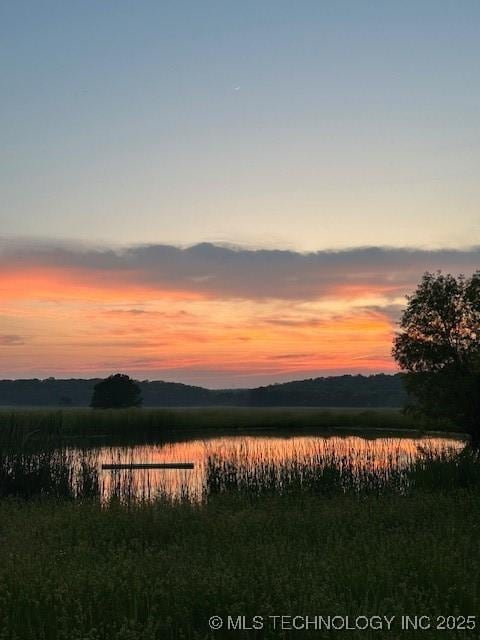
{"x":79,"y":571}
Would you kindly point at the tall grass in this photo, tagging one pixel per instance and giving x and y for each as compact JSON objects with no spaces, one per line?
{"x":53,"y":472}
{"x":75,"y":473}
{"x":318,"y":475}
{"x":329,"y":474}
{"x":37,"y":424}
{"x":443,"y":471}
{"x":156,"y":571}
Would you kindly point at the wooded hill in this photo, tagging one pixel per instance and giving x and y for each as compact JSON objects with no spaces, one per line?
{"x":337,"y":391}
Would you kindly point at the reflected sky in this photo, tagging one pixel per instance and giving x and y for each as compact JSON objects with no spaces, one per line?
{"x":362,"y":453}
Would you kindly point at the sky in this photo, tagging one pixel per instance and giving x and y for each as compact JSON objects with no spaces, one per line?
{"x":225,"y":193}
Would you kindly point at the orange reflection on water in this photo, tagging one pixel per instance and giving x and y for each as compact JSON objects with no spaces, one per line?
{"x":353,"y":451}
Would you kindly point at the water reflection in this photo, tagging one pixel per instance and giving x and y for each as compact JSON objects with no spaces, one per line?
{"x":358,"y":452}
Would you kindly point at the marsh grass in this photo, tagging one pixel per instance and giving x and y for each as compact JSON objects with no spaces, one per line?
{"x":440,"y":471}
{"x":311,"y":534}
{"x":38,"y":424}
{"x":242,"y":468}
{"x":74,"y":570}
{"x":50,"y":473}
{"x":327,"y":473}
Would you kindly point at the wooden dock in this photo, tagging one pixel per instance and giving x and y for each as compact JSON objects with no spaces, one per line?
{"x":148,"y":465}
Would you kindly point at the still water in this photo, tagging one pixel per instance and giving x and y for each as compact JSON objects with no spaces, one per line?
{"x":360,"y":453}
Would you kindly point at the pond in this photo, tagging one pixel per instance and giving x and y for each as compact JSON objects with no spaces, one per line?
{"x":255,"y":459}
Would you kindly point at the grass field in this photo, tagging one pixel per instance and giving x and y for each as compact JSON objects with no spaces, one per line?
{"x":77,"y":571}
{"x":159,"y":423}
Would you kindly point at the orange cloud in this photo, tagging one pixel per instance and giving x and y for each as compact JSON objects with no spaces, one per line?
{"x":47,"y":283}
{"x":181,"y":343}
{"x":77,"y":320}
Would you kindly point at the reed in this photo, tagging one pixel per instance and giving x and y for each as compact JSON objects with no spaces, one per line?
{"x":71,"y":473}
{"x":329,"y":474}
{"x":40,"y":424}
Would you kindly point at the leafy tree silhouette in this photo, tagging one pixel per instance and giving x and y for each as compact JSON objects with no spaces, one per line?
{"x":117,"y":391}
{"x":438,"y":348}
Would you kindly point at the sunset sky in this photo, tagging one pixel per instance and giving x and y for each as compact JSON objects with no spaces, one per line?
{"x":230,"y":193}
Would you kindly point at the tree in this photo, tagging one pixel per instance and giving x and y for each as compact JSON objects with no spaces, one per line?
{"x":118,"y":391}
{"x":438,"y":348}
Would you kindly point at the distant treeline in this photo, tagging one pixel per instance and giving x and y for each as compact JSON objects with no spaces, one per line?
{"x":337,"y":391}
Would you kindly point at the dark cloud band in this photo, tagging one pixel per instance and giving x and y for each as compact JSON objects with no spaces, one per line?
{"x":237,"y":272}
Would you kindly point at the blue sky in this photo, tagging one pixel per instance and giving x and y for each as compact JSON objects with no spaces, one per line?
{"x":305,"y":125}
